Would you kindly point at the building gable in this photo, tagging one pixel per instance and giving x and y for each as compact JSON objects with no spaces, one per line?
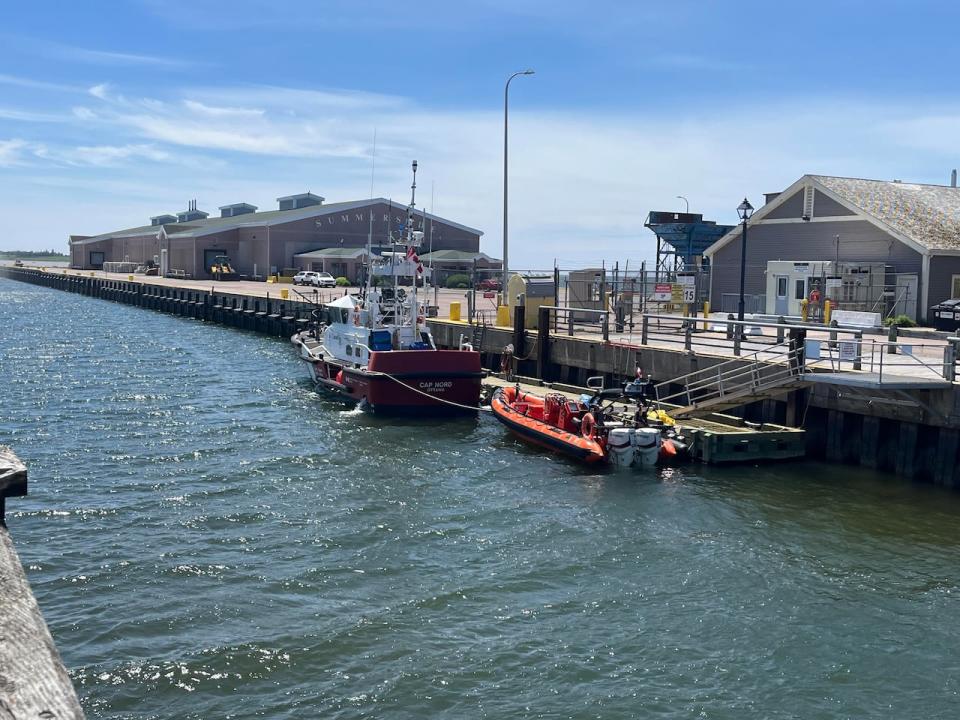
{"x":792,"y":207}
{"x":826,"y":206}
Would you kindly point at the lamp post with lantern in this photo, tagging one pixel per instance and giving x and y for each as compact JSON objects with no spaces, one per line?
{"x":744,"y":210}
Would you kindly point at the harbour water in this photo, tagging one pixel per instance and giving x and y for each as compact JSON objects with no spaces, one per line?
{"x":208,"y":538}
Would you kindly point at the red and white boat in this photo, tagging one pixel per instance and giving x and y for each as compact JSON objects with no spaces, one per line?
{"x":376,"y":349}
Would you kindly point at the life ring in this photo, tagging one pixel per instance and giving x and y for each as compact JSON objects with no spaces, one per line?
{"x":587,"y":425}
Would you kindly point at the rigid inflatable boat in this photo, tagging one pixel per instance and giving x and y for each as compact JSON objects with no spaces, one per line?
{"x":588,"y":430}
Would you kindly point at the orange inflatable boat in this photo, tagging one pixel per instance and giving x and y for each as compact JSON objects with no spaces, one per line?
{"x":554,"y":421}
{"x":590,"y":431}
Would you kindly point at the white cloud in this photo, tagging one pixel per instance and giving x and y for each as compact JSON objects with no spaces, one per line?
{"x":112,"y":155}
{"x":581,"y":182}
{"x":212,"y":111}
{"x":12,"y":152}
{"x":29,"y":116}
{"x":99,"y":91}
{"x":74,"y":53}
{"x":37,"y":84}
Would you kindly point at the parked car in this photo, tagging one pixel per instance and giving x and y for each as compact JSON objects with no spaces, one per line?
{"x":305,"y":277}
{"x":489,"y":284}
{"x":324,"y":280}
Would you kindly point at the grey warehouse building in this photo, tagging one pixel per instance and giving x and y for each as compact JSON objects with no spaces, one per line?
{"x":913,"y":230}
{"x":262,"y":243}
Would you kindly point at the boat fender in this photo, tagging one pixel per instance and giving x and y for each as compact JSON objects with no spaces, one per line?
{"x":668,"y":450}
{"x":340,"y":377}
{"x":587,"y":425}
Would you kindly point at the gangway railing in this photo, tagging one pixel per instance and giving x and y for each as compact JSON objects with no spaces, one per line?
{"x":761,"y":374}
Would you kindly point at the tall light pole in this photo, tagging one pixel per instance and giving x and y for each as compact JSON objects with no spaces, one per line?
{"x":681,"y":197}
{"x":506,"y":96}
{"x":744,"y":210}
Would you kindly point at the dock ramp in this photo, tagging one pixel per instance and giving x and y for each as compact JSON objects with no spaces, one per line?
{"x":761,"y":375}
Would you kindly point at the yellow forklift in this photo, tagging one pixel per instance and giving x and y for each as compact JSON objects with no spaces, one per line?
{"x":222,"y":270}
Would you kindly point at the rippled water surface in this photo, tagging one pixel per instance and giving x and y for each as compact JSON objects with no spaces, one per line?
{"x":209,"y":538}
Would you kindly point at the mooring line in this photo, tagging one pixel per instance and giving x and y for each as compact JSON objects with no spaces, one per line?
{"x":426,"y":394}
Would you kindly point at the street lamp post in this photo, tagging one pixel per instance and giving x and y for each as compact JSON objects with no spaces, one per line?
{"x":681,"y":197}
{"x":744,"y":210}
{"x":506,"y":95}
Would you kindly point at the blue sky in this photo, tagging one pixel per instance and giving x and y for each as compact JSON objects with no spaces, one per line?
{"x":114,"y":111}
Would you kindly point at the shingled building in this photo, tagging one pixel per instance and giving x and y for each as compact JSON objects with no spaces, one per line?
{"x":912,"y":229}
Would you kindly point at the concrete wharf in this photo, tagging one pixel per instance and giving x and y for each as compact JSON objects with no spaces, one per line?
{"x":910,"y":427}
{"x":33,"y":681}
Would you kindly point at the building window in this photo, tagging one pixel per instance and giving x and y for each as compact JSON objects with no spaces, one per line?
{"x":96,"y":259}
{"x":800,"y":292}
{"x":955,"y":286}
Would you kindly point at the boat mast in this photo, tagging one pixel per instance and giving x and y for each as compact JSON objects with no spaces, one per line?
{"x":410,"y":225}
{"x":367,"y":283}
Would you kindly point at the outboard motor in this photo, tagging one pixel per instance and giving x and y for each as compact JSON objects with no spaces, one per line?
{"x":620,"y":448}
{"x":647,"y":442}
{"x":633,"y":447}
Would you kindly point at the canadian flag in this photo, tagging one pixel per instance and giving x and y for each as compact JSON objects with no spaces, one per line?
{"x":412,"y":256}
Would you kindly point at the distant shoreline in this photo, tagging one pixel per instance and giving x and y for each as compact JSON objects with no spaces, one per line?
{"x":50,"y":261}
{"x":32,"y":256}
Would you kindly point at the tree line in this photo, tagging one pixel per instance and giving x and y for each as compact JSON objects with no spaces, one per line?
{"x":30,"y":254}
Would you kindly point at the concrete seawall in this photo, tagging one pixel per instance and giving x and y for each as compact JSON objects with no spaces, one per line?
{"x":915,"y":435}
{"x":33,"y":680}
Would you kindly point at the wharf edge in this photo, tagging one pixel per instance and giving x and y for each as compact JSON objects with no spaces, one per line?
{"x":916,"y":440}
{"x":33,"y":681}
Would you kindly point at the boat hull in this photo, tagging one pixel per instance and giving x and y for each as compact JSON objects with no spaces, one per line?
{"x":435,"y":382}
{"x":540,"y":433}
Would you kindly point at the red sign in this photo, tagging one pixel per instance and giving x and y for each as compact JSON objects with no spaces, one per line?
{"x":489,"y":295}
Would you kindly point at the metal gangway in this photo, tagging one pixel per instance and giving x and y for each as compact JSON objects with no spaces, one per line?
{"x":761,"y":375}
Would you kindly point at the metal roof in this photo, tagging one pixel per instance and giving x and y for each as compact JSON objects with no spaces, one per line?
{"x":300,"y":196}
{"x":197,"y":228}
{"x":337,"y":252}
{"x":456,"y":256}
{"x":234,"y":205}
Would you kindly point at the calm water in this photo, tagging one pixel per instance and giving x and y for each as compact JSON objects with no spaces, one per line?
{"x":209,"y":538}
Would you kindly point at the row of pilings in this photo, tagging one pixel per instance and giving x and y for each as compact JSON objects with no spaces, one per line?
{"x":269,"y":316}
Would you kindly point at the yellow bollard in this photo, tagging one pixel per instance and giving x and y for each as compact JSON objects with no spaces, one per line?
{"x":706,"y":315}
{"x":93,"y":274}
{"x":804,"y":310}
{"x":503,"y":316}
{"x":284,"y":293}
{"x":826,"y":312}
{"x":130,"y":278}
{"x":455,"y":311}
